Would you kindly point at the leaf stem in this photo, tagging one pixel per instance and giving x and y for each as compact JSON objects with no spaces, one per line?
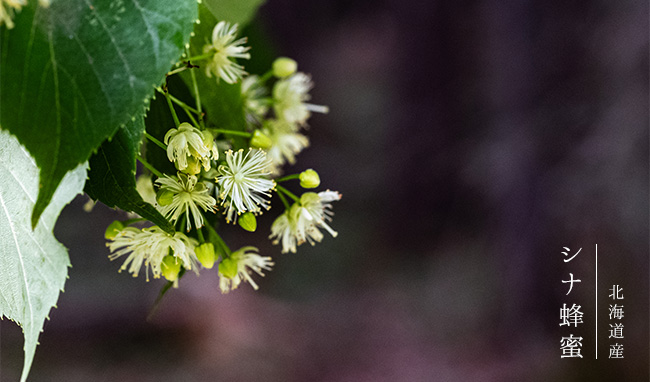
{"x":186,"y":108}
{"x":199,"y":232}
{"x":148,"y":166}
{"x":177,"y":70}
{"x":197,"y":97}
{"x":266,"y":76}
{"x":194,"y":122}
{"x":233,"y":132}
{"x":156,"y":141}
{"x":287,"y":192}
{"x":184,"y":105}
{"x":288,"y":177}
{"x":169,"y":103}
{"x":171,"y":108}
{"x":201,"y":56}
{"x":284,"y":201}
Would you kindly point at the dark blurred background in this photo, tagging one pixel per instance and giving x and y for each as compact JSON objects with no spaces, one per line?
{"x":472,"y":141}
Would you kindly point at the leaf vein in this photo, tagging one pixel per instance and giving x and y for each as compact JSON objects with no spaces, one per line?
{"x":78,"y":91}
{"x":99,"y":79}
{"x":20,"y":258}
{"x":117,"y":48}
{"x":154,"y":38}
{"x":57,"y":101}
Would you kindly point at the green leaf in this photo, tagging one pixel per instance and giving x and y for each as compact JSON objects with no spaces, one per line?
{"x":33,"y":264}
{"x":222,"y":102}
{"x":111,"y":178}
{"x":71,"y":74}
{"x":236,"y":11}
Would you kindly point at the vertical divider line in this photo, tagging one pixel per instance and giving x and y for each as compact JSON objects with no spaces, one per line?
{"x":596,"y":301}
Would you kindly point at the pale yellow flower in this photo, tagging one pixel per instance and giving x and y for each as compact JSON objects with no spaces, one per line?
{"x":225,"y":48}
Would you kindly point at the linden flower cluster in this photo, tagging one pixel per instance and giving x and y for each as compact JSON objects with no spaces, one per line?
{"x":302,"y":221}
{"x":280,"y":133}
{"x":149,"y":247}
{"x":229,"y":174}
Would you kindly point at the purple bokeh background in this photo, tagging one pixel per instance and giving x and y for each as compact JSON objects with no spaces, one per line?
{"x":471,"y":141}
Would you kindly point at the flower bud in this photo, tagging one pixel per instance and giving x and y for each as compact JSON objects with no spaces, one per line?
{"x":248,"y":222}
{"x":113,"y":229}
{"x":164,"y":197}
{"x":284,"y":67}
{"x":206,"y":255}
{"x":309,"y":179}
{"x":261,"y":140}
{"x":170,"y":268}
{"x":208,"y":138}
{"x":228,"y":268}
{"x":193,"y":166}
{"x":294,"y":212}
{"x":309,"y":198}
{"x":208,"y":141}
